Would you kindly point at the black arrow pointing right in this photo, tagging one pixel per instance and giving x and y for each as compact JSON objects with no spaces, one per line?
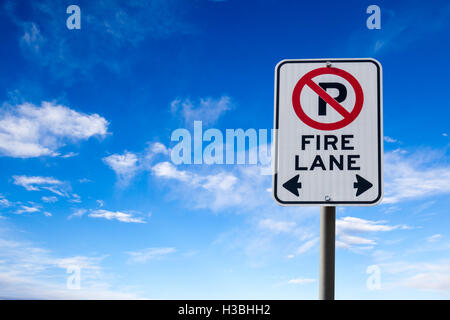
{"x":362,"y":185}
{"x":292,"y":185}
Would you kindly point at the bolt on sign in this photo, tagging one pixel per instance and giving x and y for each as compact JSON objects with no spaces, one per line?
{"x":328,"y":132}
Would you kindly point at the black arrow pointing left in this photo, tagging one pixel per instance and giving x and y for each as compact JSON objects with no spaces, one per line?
{"x":292,"y":185}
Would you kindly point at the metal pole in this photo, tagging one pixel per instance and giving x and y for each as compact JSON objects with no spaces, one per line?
{"x":327,"y":243}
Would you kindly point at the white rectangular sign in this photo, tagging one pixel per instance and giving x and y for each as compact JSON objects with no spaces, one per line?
{"x":328,"y":132}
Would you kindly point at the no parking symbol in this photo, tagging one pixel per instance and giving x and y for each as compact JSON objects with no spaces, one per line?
{"x":320,"y":90}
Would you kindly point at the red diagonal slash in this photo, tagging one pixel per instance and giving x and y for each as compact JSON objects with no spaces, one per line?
{"x":327,"y":98}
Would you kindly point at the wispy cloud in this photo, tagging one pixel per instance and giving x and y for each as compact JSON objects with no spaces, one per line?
{"x":301,"y":281}
{"x":31,"y":272}
{"x":35,"y":183}
{"x":415,"y":176}
{"x":434,"y":281}
{"x":4,"y":202}
{"x":75,"y":198}
{"x":308,"y":245}
{"x":32,"y":38}
{"x":428,"y":276}
{"x":40,"y":183}
{"x":389,"y":139}
{"x":208,"y":110}
{"x":115,"y":215}
{"x":112,"y":26}
{"x":145,"y":255}
{"x":78,"y":213}
{"x":434,"y":237}
{"x":28,"y":131}
{"x":50,"y":199}
{"x":28,"y":209}
{"x":349,"y":231}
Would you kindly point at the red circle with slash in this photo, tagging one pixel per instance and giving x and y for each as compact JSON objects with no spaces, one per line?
{"x":306,"y":80}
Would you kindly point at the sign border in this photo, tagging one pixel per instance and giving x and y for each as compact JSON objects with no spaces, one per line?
{"x":379,"y":126}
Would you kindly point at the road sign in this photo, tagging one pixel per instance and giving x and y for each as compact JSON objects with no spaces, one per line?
{"x":329,"y":132}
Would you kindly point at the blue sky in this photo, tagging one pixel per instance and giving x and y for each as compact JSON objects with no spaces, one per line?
{"x":87,"y":180}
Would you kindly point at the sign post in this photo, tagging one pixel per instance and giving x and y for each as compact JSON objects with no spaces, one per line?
{"x":326,"y":252}
{"x":328,"y":142}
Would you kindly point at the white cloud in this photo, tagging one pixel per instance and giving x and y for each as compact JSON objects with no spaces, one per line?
{"x":77,"y":213}
{"x":69,"y":155}
{"x":50,"y":199}
{"x":353,"y":224}
{"x":308,"y":245}
{"x":4,"y":202}
{"x":108,"y":215}
{"x":30,"y":272}
{"x":145,"y":255}
{"x":39,"y":183}
{"x":115,"y":215}
{"x":59,"y":191}
{"x":167,"y":170}
{"x":28,"y":209}
{"x":207,"y":110}
{"x":428,"y":276}
{"x":28,"y":131}
{"x":346,"y":241}
{"x":301,"y":281}
{"x":124,"y":165}
{"x":34,"y":183}
{"x":434,"y":237}
{"x":75,"y":198}
{"x":389,"y":139}
{"x":414,"y":177}
{"x":221,"y":181}
{"x":219,"y":190}
{"x":128,"y":164}
{"x":202,"y":186}
{"x":157,"y":148}
{"x":347,"y":229}
{"x":432,"y":281}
